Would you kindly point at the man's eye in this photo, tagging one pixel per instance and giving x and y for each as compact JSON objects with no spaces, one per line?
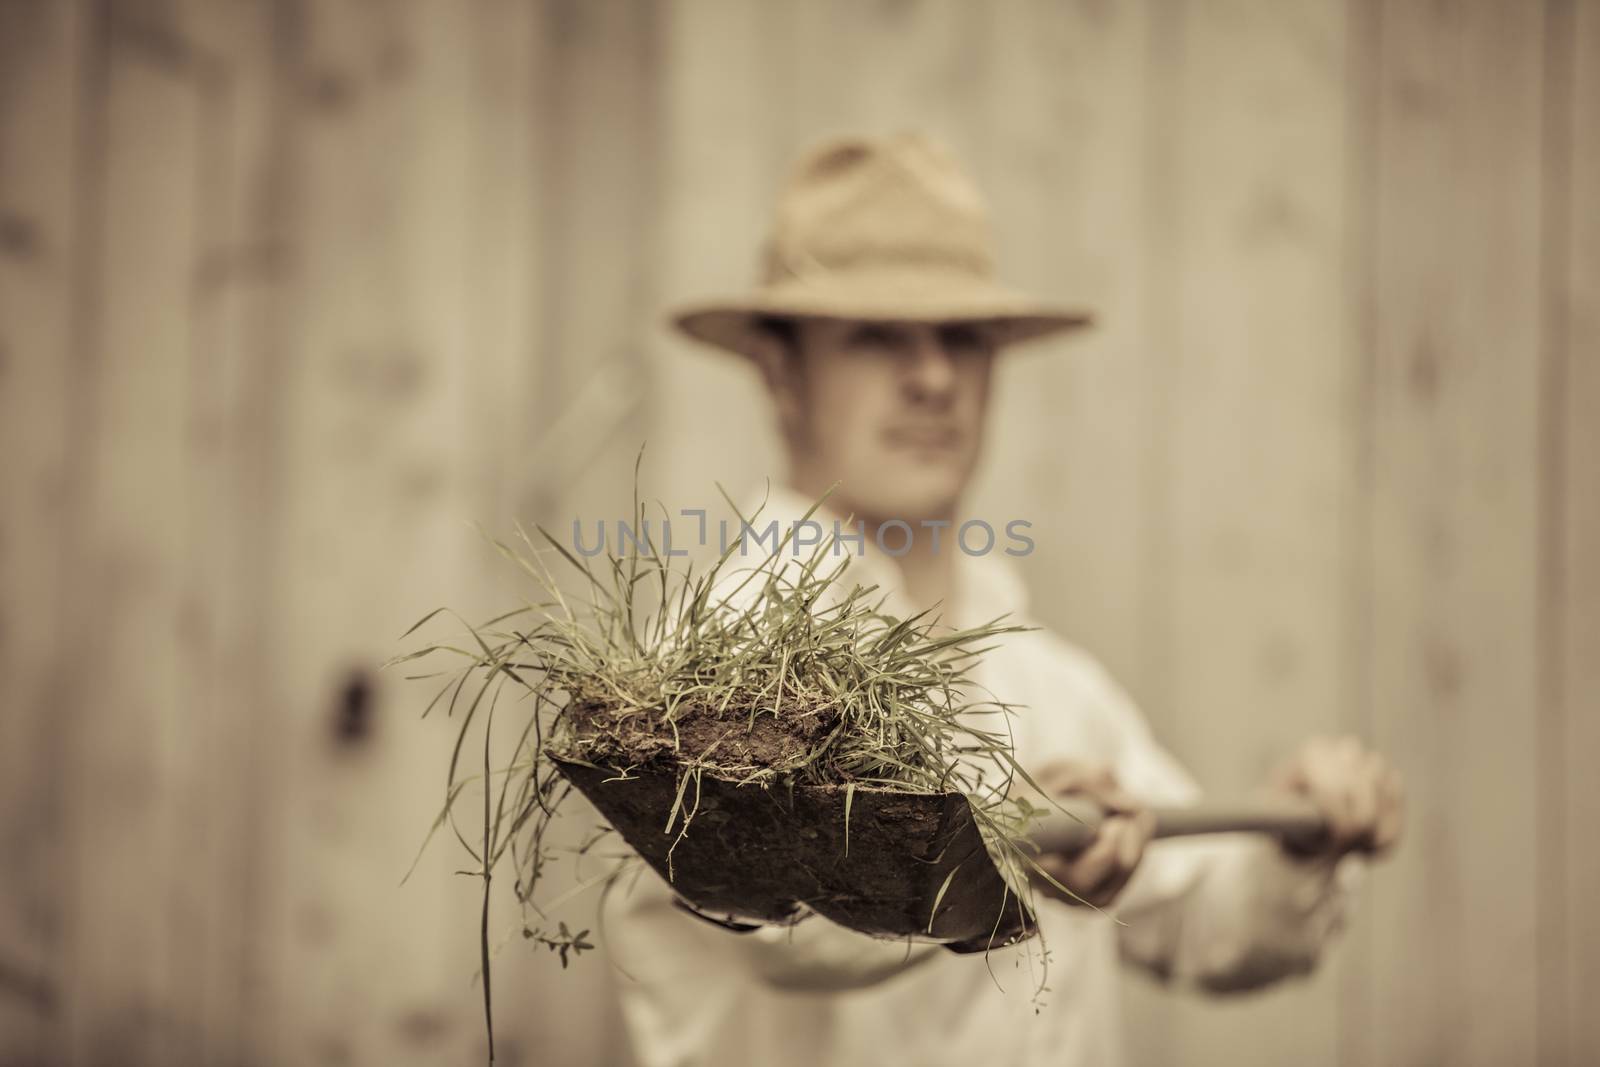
{"x":962,"y":338}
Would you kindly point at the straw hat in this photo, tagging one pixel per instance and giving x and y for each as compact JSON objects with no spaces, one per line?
{"x":879,"y":229}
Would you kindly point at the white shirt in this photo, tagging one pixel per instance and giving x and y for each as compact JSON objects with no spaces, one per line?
{"x":1224,"y":912}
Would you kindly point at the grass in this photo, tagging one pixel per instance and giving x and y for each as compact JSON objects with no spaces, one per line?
{"x":771,"y":672}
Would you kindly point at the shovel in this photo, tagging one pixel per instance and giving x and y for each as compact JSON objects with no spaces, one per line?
{"x":880,"y":861}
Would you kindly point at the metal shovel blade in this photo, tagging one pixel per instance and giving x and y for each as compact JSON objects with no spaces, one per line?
{"x":752,"y":854}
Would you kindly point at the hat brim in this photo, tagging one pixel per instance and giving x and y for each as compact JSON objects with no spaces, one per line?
{"x":733,"y":324}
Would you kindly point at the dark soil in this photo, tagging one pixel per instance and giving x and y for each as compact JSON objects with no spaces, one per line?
{"x":731,"y":740}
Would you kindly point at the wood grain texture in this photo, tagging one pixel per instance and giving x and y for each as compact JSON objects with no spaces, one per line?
{"x":1574,"y":405}
{"x":724,"y":73}
{"x":378,"y":385}
{"x":42,"y":74}
{"x":1069,"y":181}
{"x":133,"y":992}
{"x":600,"y":114}
{"x":233,"y":55}
{"x":1262,"y":438}
{"x":1455,"y":528}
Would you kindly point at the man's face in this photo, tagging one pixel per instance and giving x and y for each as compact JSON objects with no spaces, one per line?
{"x":892,"y":411}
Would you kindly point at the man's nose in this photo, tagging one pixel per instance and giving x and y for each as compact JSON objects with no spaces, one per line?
{"x":932,"y":373}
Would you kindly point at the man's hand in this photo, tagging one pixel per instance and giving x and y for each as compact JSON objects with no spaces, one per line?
{"x":1356,"y":790}
{"x":1096,"y":873}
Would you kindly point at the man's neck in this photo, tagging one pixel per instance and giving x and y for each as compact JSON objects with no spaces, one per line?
{"x":928,"y":574}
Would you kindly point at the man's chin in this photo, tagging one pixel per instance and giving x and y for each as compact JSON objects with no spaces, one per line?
{"x":914,"y":498}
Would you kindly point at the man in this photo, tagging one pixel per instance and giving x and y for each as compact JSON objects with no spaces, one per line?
{"x":876,"y":333}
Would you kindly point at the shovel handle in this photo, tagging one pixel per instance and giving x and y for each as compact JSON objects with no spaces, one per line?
{"x":1293,"y":821}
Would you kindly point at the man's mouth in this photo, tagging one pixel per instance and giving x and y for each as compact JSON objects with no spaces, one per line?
{"x":923,"y":436}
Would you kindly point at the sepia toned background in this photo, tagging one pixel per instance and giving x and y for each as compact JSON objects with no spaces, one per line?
{"x":291,"y":293}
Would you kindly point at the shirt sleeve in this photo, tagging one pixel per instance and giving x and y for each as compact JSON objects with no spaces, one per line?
{"x":1220,"y":912}
{"x":817,"y":955}
{"x":1231,"y":914}
{"x":644,"y":920}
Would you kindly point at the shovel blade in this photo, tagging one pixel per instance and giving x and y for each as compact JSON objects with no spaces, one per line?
{"x":757,"y":854}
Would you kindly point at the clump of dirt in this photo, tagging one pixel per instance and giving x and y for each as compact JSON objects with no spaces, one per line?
{"x":730,"y":740}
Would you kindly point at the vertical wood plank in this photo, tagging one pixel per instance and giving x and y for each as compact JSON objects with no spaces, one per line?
{"x":1553,"y":917}
{"x":882,"y":68}
{"x":725,"y":151}
{"x":1577,"y":410}
{"x":1067,"y":136}
{"x":131,"y":583}
{"x":599,"y":124}
{"x":1262,"y":443}
{"x":378,"y":438}
{"x":1455,"y":527}
{"x":41,"y":82}
{"x":1152,"y":1012}
{"x":174,"y":206}
{"x":235,"y":54}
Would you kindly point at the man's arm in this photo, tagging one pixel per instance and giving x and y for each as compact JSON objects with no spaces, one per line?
{"x":817,"y":955}
{"x":1230,"y":912}
{"x":648,"y":930}
{"x":1238,"y":911}
{"x":1234,"y":913}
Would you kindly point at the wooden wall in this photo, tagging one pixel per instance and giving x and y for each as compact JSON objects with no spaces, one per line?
{"x":291,"y":292}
